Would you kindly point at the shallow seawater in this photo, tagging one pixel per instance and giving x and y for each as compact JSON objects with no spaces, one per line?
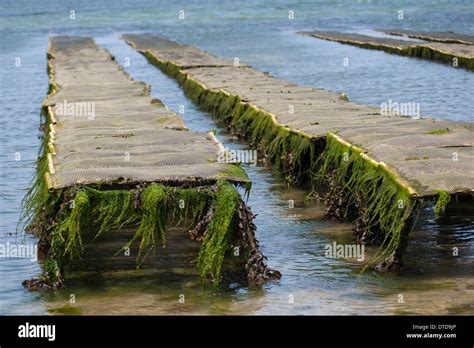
{"x":293,"y":238}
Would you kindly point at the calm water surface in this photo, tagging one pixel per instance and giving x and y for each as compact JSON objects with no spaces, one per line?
{"x":261,"y":34}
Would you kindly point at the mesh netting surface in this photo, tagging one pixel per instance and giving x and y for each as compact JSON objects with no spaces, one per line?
{"x":431,"y":154}
{"x":109,"y":129}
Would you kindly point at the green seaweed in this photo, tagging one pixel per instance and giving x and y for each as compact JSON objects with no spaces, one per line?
{"x":441,"y":203}
{"x":219,"y":232}
{"x":74,"y":223}
{"x":66,"y":241}
{"x":384,"y":205}
{"x":38,"y":203}
{"x":153,"y":220}
{"x":232,"y":171}
{"x":191,"y":204}
{"x":157,"y":206}
{"x":438,"y":131}
{"x":113,"y":209}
